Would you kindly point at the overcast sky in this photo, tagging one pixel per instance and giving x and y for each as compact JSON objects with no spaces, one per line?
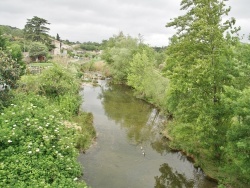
{"x":96,"y":20}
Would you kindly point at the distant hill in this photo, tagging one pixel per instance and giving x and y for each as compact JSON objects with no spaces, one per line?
{"x":9,"y":30}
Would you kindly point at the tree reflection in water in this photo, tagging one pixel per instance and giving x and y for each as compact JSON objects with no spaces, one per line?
{"x":171,"y":179}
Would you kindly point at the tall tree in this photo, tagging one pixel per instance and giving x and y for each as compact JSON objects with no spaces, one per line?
{"x":36,"y":30}
{"x":199,"y":65}
{"x":118,"y":52}
{"x":58,"y":37}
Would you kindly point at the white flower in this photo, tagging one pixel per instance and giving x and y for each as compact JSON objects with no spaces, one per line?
{"x":75,"y":179}
{"x":5,"y":121}
{"x":37,"y":149}
{"x":9,"y":141}
{"x":27,"y":119}
{"x":29,"y":152}
{"x":14,"y":125}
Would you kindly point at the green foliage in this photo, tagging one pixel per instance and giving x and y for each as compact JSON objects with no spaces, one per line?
{"x":2,"y":40}
{"x":199,"y":65}
{"x":36,"y":30}
{"x":13,"y":31}
{"x":241,"y":75}
{"x":58,"y":37}
{"x":10,"y":70}
{"x":41,"y":131}
{"x":37,"y":50}
{"x":37,"y":150}
{"x":5,"y":98}
{"x":238,"y":137}
{"x":90,"y":46}
{"x":16,"y":54}
{"x":146,"y":80}
{"x":57,"y":81}
{"x":69,"y":104}
{"x":118,"y":52}
{"x":138,"y":68}
{"x":209,"y":72}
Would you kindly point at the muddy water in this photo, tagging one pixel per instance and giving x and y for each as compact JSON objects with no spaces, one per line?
{"x":129,"y":152}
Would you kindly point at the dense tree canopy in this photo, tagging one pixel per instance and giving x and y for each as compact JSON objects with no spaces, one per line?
{"x":118,"y":53}
{"x":36,"y":30}
{"x":199,"y":65}
{"x":38,"y":50}
{"x":208,"y":72}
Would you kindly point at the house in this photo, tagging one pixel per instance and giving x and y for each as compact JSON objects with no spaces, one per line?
{"x":60,"y":48}
{"x":57,"y":49}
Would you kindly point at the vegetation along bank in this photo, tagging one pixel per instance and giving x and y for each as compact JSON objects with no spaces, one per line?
{"x":200,"y":81}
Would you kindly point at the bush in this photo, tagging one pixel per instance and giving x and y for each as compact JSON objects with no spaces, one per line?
{"x":56,"y":81}
{"x":37,"y":150}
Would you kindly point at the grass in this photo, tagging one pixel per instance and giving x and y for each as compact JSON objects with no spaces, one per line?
{"x":40,"y":64}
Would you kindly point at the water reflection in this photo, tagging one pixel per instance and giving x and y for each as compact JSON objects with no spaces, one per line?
{"x":126,"y":128}
{"x":120,"y":105}
{"x":171,"y":178}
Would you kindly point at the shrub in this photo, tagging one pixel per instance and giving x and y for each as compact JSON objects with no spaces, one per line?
{"x":37,"y":150}
{"x":56,"y":81}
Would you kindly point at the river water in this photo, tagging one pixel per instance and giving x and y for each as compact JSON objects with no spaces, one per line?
{"x":129,"y":151}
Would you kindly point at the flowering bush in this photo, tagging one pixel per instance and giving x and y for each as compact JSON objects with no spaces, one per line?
{"x":36,"y":149}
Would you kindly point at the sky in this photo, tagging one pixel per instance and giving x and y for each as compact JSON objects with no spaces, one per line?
{"x":97,"y":20}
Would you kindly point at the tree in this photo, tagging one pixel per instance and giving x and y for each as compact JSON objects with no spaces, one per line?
{"x":36,"y":30}
{"x":199,"y":65}
{"x":137,"y":71}
{"x":10,"y":70}
{"x":146,"y":80}
{"x":57,"y":37}
{"x":118,"y":52}
{"x":15,"y":52}
{"x":38,"y":50}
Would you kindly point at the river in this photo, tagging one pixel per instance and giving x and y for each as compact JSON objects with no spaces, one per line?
{"x":129,"y":152}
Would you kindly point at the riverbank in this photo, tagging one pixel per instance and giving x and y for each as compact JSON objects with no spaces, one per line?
{"x":211,"y":171}
{"x":42,"y":131}
{"x":129,"y":149}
